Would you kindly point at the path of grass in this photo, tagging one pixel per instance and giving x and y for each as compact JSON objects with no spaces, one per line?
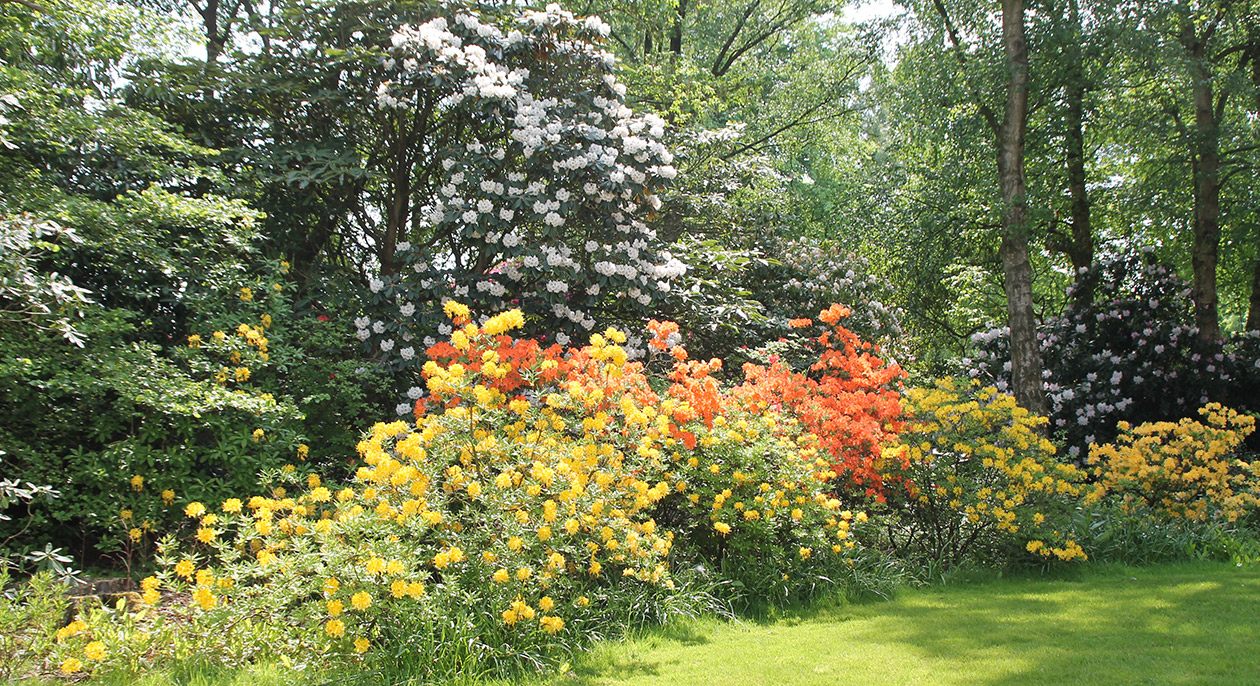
{"x":1197,"y":624}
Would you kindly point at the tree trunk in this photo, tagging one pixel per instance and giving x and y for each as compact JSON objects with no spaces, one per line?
{"x":215,"y":39}
{"x":399,"y":206}
{"x":1207,"y":188}
{"x":1253,"y":307}
{"x":1027,"y":384}
{"x":676,"y":38}
{"x":1081,"y":250}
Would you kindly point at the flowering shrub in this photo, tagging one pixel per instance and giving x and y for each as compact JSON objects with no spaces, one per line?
{"x":848,"y":400}
{"x":541,"y":176}
{"x":773,"y":529}
{"x":749,"y":506}
{"x":1181,"y":470}
{"x":534,"y":504}
{"x":809,"y":275}
{"x":1132,"y":354}
{"x":737,"y":303}
{"x":972,"y":472}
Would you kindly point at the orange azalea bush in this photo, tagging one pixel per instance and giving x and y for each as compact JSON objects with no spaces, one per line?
{"x":753,"y":500}
{"x":848,"y":400}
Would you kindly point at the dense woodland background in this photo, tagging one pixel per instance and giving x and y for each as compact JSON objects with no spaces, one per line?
{"x":171,"y":169}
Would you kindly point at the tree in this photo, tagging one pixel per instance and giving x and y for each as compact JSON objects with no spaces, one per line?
{"x":540,"y":175}
{"x":1009,"y":133}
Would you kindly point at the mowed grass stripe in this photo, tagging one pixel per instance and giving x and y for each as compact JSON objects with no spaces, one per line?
{"x":1194,"y":624}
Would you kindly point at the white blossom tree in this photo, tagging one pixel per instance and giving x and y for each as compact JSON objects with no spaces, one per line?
{"x":542,"y":180}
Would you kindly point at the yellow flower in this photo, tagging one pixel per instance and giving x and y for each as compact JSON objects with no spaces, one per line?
{"x":95,"y":651}
{"x":194,"y":341}
{"x":552,"y":625}
{"x":204,"y":597}
{"x":232,"y":505}
{"x":722,"y":527}
{"x":206,"y":535}
{"x":501,"y":576}
{"x":71,"y":665}
{"x":137,"y":483}
{"x":168,"y":496}
{"x":303,"y":451}
{"x":247,"y":295}
{"x":455,"y":310}
{"x":335,"y":628}
{"x":361,"y":600}
{"x":335,"y":608}
{"x":185,"y":568}
{"x":398,"y":588}
{"x":546,"y":603}
{"x":361,"y":645}
{"x":195,"y":509}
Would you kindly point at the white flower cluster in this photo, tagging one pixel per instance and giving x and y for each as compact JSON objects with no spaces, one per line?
{"x":556,"y":159}
{"x":1132,"y":355}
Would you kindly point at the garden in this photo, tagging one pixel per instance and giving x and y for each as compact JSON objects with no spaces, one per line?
{"x":494,"y":342}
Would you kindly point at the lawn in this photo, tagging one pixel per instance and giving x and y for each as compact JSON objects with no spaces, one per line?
{"x":1168,"y":624}
{"x":1186,"y":624}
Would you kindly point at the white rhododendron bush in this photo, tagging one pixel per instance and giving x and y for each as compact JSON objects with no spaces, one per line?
{"x":544,"y":179}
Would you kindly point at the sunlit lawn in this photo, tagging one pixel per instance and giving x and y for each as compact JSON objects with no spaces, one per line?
{"x":1166,"y":625}
{"x":1188,"y":624}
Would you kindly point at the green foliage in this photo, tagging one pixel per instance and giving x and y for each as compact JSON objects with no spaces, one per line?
{"x":1115,"y":533}
{"x":28,"y":297}
{"x":117,"y":409}
{"x":30,"y":615}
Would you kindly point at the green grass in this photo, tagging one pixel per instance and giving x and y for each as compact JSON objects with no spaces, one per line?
{"x":1189,"y":624}
{"x":1170,"y":624}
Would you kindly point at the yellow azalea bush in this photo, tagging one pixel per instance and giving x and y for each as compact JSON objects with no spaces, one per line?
{"x":540,"y":498}
{"x":518,"y":521}
{"x":1184,"y":470}
{"x":972,"y":474}
{"x":753,"y":503}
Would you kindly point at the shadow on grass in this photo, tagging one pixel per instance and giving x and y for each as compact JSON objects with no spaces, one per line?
{"x":1192,"y":624}
{"x":1164,"y":627}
